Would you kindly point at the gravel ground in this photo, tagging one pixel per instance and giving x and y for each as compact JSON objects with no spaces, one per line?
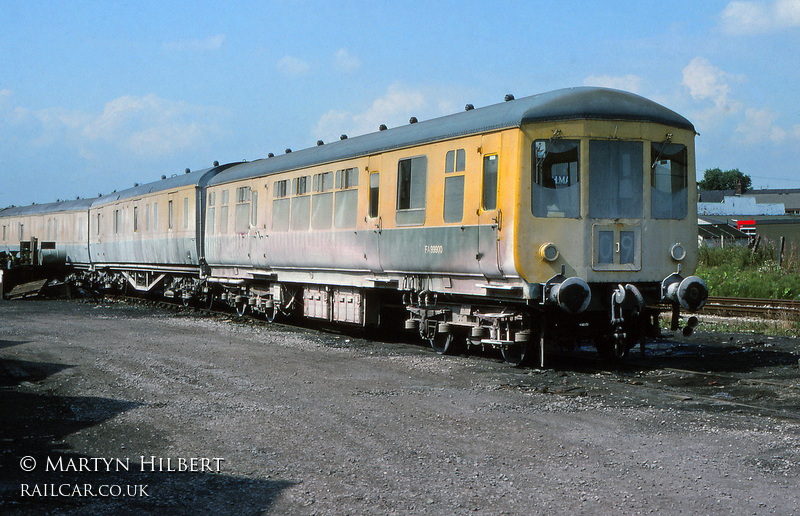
{"x":287,"y":420}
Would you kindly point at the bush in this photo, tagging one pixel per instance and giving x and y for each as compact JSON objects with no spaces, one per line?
{"x":738,"y":271}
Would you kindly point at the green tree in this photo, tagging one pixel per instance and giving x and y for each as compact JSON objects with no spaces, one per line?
{"x":716,"y":179}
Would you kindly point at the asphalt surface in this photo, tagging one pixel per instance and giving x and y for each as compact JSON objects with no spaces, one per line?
{"x":118,"y":408}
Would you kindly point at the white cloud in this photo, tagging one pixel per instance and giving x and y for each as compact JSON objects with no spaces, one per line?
{"x":210,"y":43}
{"x":345,"y":62}
{"x":148,"y":126}
{"x":709,"y":86}
{"x":751,"y":17}
{"x":759,"y":126}
{"x":393,"y":108}
{"x":632,"y":83}
{"x":293,"y":67}
{"x":5,"y":92}
{"x":706,"y":82}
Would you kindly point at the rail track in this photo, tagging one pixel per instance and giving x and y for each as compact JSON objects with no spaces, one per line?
{"x":758,"y":308}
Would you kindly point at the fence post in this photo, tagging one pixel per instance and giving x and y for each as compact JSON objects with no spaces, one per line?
{"x":780,"y":256}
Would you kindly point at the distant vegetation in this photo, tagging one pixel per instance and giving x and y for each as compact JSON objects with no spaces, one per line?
{"x":716,"y":179}
{"x":738,"y":271}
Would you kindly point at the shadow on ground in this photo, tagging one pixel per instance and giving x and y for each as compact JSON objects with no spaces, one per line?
{"x":32,"y":428}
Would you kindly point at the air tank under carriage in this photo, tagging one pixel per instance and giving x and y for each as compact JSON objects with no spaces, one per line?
{"x":519,"y":225}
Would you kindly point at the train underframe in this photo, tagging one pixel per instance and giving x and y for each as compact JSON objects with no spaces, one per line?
{"x":618,"y":318}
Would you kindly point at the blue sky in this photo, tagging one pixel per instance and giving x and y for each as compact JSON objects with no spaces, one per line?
{"x":95,"y":96}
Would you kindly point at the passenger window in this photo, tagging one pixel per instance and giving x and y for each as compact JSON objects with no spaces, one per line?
{"x":301,"y":212}
{"x":242,"y":213}
{"x":489,"y":199}
{"x":211,"y":212}
{"x":254,"y":208}
{"x":300,"y":185}
{"x":669,"y":193}
{"x":322,"y":211}
{"x":411,"y":190}
{"x":170,"y":216}
{"x":346,"y":200}
{"x":454,"y":198}
{"x":555,"y":178}
{"x":374,"y":184}
{"x":322,"y":201}
{"x":223,"y":211}
{"x":347,"y":178}
{"x":155,"y":217}
{"x":281,"y":206}
{"x":323,"y":182}
{"x":135,"y":219}
{"x":280,"y":215}
{"x":279,"y":189}
{"x":455,"y":161}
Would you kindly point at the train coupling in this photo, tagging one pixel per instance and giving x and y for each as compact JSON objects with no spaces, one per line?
{"x":573,"y":294}
{"x":690,"y":293}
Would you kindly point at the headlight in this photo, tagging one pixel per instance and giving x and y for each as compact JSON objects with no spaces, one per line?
{"x":677,"y":252}
{"x":548,"y":252}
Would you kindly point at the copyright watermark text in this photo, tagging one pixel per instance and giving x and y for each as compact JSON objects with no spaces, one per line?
{"x":107,"y":465}
{"x":100,"y":465}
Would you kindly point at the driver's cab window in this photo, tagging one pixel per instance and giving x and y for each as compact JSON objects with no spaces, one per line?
{"x":555,"y":178}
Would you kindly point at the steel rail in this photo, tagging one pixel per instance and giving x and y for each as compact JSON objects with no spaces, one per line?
{"x":747,"y":307}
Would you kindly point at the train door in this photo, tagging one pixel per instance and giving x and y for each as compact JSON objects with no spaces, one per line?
{"x":490,"y":217}
{"x":373,"y":217}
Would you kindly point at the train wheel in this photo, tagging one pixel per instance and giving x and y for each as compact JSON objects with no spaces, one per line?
{"x":516,"y":355}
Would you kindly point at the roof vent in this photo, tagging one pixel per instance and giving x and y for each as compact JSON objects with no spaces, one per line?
{"x":320,"y":142}
{"x":270,"y":155}
{"x":469,"y":107}
{"x":187,"y":170}
{"x":135,"y":185}
{"x":382,"y":127}
{"x":216,"y":163}
{"x":412,"y":120}
{"x":288,"y":151}
{"x":343,"y":137}
{"x":163,"y":176}
{"x":509,"y":97}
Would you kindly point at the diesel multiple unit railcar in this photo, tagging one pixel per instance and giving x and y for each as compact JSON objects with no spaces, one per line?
{"x":534,"y":223}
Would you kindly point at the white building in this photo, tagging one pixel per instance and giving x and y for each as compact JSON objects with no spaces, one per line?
{"x":736,"y":205}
